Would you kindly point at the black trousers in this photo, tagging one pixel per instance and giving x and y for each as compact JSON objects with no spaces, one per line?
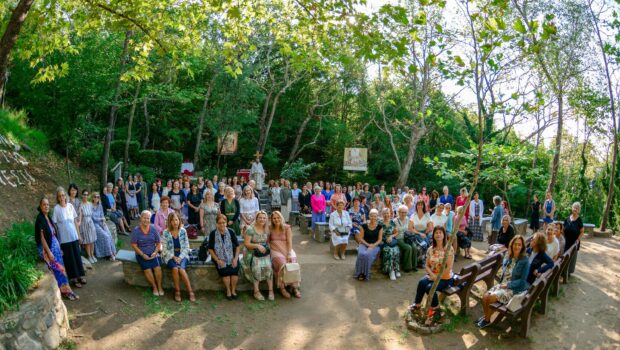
{"x":72,"y":259}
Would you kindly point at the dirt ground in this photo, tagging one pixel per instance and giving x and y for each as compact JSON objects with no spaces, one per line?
{"x":337,"y":311}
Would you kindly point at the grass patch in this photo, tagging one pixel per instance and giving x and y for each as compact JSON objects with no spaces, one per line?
{"x":14,"y":126}
{"x":67,"y":345}
{"x":155,"y":306}
{"x":456,"y":322}
{"x":18,"y":259}
{"x":258,"y":306}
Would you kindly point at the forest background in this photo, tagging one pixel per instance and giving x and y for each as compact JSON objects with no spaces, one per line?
{"x":153,"y":82}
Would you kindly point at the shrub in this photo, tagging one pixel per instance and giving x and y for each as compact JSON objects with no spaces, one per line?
{"x":18,"y":271}
{"x":13,"y":125}
{"x":117,"y":150}
{"x":166,"y":164}
{"x":147,"y":172}
{"x":296,"y":170}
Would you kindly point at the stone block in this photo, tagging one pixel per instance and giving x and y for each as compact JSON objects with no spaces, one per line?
{"x":602,"y":234}
{"x":351,"y":247}
{"x":52,"y":337}
{"x":25,"y":342}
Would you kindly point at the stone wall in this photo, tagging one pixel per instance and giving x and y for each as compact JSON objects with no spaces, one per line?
{"x":41,"y":321}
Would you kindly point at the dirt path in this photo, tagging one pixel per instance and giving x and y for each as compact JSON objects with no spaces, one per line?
{"x":339,"y":312}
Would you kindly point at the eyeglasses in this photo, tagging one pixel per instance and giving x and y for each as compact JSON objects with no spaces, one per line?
{"x":96,"y":197}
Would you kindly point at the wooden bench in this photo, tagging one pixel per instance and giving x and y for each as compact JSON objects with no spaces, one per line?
{"x":549,"y":276}
{"x":463,"y":282}
{"x":555,"y":283}
{"x":569,"y":255}
{"x":488,"y":269}
{"x":202,"y":277}
{"x":524,"y":313}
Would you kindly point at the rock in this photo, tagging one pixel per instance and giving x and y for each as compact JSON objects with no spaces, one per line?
{"x":25,"y":342}
{"x":63,"y":332}
{"x":49,"y":320}
{"x":52,"y":338}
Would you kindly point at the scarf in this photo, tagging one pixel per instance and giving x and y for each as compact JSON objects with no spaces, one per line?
{"x":223,"y":247}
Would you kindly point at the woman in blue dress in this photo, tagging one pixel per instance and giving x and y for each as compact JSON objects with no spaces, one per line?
{"x":358,"y":216}
{"x":549,"y":210}
{"x":49,"y":249}
{"x":176,"y":254}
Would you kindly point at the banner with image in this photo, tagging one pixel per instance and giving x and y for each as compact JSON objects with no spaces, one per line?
{"x":356,"y":159}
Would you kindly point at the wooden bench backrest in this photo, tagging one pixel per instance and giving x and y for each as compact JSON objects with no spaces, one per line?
{"x":489,"y":265}
{"x":467,"y":274}
{"x":533,"y":292}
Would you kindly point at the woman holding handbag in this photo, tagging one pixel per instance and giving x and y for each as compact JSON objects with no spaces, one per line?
{"x":256,"y":262}
{"x":281,"y":244}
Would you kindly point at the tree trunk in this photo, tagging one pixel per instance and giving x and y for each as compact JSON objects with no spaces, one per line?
{"x":130,"y":124}
{"x":417,"y":132}
{"x":558,"y":143}
{"x":105,"y":159}
{"x":147,"y":123}
{"x":201,"y":120}
{"x":264,"y":135}
{"x":534,"y":163}
{"x":9,"y":38}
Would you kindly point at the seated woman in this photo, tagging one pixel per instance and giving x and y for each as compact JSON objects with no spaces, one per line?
{"x":420,"y":226}
{"x":49,"y":249}
{"x":104,"y":245}
{"x":539,"y":260}
{"x":390,"y":254}
{"x":370,"y":236}
{"x":176,"y":254}
{"x":504,"y":236}
{"x":358,"y":217}
{"x":513,"y":280}
{"x":408,"y":249}
{"x":434,"y":258}
{"x":224,"y":250}
{"x":146,"y":243}
{"x":256,"y":259}
{"x":281,"y":244}
{"x":553,"y":245}
{"x":340,"y":225}
{"x":439,"y":218}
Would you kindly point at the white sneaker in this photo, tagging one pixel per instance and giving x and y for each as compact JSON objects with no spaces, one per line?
{"x":112,"y":258}
{"x":91,"y":260}
{"x":95,"y":259}
{"x":392,"y":276}
{"x":398,"y":275}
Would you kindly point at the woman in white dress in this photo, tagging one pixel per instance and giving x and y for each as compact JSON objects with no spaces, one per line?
{"x":248,"y":206}
{"x":87,"y":227}
{"x":340,"y":225}
{"x":132,"y":200}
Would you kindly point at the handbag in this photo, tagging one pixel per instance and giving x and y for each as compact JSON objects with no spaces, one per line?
{"x":203,"y":250}
{"x":409,"y":238}
{"x":515,"y":302}
{"x":258,"y":254}
{"x":291,"y":273}
{"x":192,"y":232}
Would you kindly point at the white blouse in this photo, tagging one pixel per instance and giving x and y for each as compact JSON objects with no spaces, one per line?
{"x":420,"y":224}
{"x":340,"y":222}
{"x":248,"y":206}
{"x":439,"y":220}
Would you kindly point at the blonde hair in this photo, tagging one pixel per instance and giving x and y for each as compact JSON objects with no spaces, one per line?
{"x":282,"y":222}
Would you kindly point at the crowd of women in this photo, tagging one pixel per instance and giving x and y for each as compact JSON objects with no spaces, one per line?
{"x":408,"y":230}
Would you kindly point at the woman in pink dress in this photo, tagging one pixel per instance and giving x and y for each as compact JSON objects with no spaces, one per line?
{"x":461,"y":200}
{"x":281,"y":244}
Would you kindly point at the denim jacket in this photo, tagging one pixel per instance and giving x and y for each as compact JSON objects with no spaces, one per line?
{"x":518,"y":281}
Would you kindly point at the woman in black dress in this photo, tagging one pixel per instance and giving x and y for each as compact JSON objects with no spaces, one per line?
{"x":535,"y":216}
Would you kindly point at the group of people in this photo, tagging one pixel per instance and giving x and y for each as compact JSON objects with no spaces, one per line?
{"x":75,"y":224}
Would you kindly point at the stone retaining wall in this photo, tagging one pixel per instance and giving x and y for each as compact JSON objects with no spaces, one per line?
{"x":41,"y":321}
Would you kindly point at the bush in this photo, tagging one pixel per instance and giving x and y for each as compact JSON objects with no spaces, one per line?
{"x":166,"y":164}
{"x":117,"y":149}
{"x":297,"y":170}
{"x":91,"y":157}
{"x":18,"y":271}
{"x":147,"y":173}
{"x":13,"y":126}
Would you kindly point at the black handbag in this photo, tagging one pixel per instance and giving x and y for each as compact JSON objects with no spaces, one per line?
{"x":203,"y":250}
{"x":258,"y":254}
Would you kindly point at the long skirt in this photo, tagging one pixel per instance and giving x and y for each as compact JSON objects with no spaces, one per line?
{"x":87,"y":230}
{"x":476,"y":229}
{"x":256,"y":269}
{"x":365,"y":258}
{"x":193,"y":217}
{"x":104,"y":245}
{"x":278,"y":260}
{"x":57,"y":266}
{"x":295,"y":204}
{"x":285,"y":209}
{"x":390,"y":259}
{"x":72,"y":259}
{"x":317,"y":217}
{"x":132,"y":201}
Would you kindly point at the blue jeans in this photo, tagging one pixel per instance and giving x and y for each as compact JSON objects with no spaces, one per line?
{"x":425,"y":285}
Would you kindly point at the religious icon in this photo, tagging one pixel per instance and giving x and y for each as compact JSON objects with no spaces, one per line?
{"x":228,"y":143}
{"x":356,"y":159}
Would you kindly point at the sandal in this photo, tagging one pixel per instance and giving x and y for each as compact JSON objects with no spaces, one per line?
{"x":336,"y":257}
{"x":82,"y":280}
{"x":285,"y":293}
{"x":70,"y":296}
{"x":77,"y":284}
{"x":297,"y":293}
{"x":177,"y":295}
{"x":192,"y":297}
{"x":271,"y":296}
{"x":258,"y":296}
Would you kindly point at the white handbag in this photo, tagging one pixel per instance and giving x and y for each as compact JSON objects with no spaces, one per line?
{"x":291,"y":273}
{"x":515,"y":302}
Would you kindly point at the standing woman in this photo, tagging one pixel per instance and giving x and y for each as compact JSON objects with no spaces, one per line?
{"x":276,"y":195}
{"x":318,"y":204}
{"x":388,"y":205}
{"x":177,"y":197}
{"x":370,"y":236}
{"x":209,"y":210}
{"x":295,"y":192}
{"x":236,"y":187}
{"x":281,"y":244}
{"x":87,"y":227}
{"x":337,"y":196}
{"x":340,"y":226}
{"x":377,"y":203}
{"x":49,"y":249}
{"x":304,"y":200}
{"x":74,"y":196}
{"x":66,"y":219}
{"x":224,"y":250}
{"x":154,"y":197}
{"x":573,"y":232}
{"x":433,"y":201}
{"x":175,"y":253}
{"x":140,"y":189}
{"x":104,"y":245}
{"x":328,"y":193}
{"x":496,"y":219}
{"x":219,"y":195}
{"x":161,"y":217}
{"x":476,"y":208}
{"x":193,"y":203}
{"x":231,"y":209}
{"x":132,"y":200}
{"x":390,"y":254}
{"x":535,"y":216}
{"x":256,"y":262}
{"x":121,"y":196}
{"x":461,"y":200}
{"x":146,"y":242}
{"x":167,"y":189}
{"x":249,"y":207}
{"x":286,"y":200}
{"x":446,"y":197}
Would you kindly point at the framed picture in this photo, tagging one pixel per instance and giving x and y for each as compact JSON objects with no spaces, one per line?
{"x":356,"y":159}
{"x":227,"y":144}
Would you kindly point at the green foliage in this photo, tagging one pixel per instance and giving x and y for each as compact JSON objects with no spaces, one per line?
{"x":117,"y":149}
{"x":18,"y":272}
{"x":148,"y":174}
{"x":297,"y":170}
{"x":166,"y":164}
{"x":14,"y":126}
